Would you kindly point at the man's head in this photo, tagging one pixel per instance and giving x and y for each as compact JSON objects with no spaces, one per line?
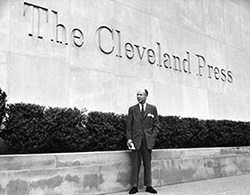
{"x":142,"y":95}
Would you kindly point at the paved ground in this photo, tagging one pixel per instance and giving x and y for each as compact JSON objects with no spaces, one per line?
{"x":235,"y":185}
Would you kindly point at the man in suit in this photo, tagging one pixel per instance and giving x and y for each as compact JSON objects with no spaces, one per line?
{"x":142,"y":129}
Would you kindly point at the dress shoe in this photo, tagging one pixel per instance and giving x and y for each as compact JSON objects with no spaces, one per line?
{"x":151,"y":190}
{"x":133,"y":190}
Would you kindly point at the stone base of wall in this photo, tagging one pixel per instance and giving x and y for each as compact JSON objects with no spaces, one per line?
{"x":103,"y":172}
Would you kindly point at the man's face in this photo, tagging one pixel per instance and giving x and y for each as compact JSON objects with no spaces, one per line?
{"x":141,"y":96}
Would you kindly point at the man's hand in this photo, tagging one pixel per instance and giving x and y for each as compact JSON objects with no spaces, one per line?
{"x":130,"y":144}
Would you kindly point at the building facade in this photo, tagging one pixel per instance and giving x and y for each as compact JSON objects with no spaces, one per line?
{"x":192,"y":55}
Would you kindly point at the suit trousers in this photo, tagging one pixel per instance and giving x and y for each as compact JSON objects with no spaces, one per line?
{"x":137,"y":155}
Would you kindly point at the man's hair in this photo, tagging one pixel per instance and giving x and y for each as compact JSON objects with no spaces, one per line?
{"x":146,"y":92}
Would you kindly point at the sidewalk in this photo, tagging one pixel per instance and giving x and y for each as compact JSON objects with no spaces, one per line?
{"x":234,"y":185}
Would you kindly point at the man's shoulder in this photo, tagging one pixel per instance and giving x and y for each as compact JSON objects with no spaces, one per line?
{"x":134,"y":106}
{"x":151,"y":105}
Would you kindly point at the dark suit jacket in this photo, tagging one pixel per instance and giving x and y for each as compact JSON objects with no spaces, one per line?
{"x":149,"y":124}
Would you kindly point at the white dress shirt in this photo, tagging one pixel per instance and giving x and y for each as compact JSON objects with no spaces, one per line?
{"x":144,"y":106}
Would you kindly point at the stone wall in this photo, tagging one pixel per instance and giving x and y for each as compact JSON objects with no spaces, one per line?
{"x":102,"y":172}
{"x":192,"y":55}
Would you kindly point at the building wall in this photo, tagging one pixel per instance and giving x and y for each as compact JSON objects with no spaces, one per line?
{"x":192,"y":55}
{"x":91,"y":173}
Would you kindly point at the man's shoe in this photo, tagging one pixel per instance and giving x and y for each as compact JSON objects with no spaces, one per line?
{"x":133,"y":190}
{"x":151,"y":190}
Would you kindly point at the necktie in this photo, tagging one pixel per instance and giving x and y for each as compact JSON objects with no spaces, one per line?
{"x":142,"y":110}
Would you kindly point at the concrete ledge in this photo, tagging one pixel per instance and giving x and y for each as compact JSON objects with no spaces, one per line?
{"x":104,"y":172}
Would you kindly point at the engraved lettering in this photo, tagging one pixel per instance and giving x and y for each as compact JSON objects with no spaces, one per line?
{"x":35,"y":19}
{"x":99,"y":33}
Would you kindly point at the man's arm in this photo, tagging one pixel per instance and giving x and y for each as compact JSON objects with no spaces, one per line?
{"x":156,"y":123}
{"x":129,"y":125}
